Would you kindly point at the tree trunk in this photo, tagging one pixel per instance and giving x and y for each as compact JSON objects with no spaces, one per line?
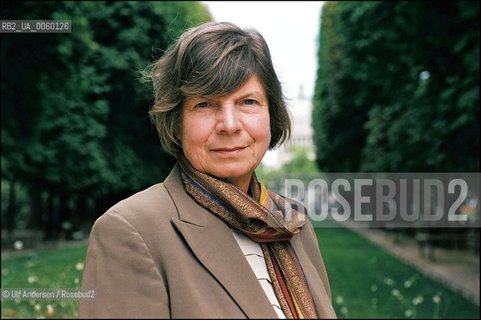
{"x":35,"y":200}
{"x":11,"y":209}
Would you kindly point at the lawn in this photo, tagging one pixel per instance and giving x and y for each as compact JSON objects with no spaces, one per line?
{"x":49,"y":268}
{"x":367,"y":282}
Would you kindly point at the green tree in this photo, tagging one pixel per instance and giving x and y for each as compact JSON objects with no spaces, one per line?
{"x":397,"y":87}
{"x":75,"y":128}
{"x":300,"y":162}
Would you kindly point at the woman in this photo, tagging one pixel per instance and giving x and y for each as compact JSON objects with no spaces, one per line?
{"x":210,"y":241}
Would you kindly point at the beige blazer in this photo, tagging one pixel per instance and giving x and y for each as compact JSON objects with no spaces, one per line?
{"x":158,"y":254}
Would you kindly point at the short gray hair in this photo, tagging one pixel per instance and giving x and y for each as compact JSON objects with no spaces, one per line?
{"x":213,"y":59}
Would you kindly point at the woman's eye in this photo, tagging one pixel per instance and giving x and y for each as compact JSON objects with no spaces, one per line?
{"x":250,"y":101}
{"x":202,"y":105}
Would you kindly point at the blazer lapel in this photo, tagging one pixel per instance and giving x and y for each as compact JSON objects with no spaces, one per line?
{"x":215,"y":247}
{"x":320,"y":297}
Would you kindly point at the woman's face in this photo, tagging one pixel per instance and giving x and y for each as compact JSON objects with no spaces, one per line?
{"x":227,"y":136}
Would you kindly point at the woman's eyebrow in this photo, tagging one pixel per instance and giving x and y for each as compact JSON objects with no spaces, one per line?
{"x":252,"y":93}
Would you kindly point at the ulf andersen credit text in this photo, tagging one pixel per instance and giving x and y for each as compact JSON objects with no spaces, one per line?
{"x":46,"y":294}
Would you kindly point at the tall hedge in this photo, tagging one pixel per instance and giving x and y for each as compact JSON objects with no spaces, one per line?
{"x":397,"y":87}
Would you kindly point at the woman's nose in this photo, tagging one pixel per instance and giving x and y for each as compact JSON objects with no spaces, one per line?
{"x":228,"y":120}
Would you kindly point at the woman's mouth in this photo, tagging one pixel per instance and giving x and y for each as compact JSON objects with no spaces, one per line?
{"x":229,"y":151}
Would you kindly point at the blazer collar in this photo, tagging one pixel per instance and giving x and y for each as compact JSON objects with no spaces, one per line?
{"x":214,"y":245}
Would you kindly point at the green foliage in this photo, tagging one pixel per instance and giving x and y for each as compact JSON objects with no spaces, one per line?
{"x":300,"y":162}
{"x":299,"y":166}
{"x":397,"y":87}
{"x":74,"y":115}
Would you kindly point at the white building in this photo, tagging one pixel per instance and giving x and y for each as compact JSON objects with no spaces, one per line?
{"x":300,"y":110}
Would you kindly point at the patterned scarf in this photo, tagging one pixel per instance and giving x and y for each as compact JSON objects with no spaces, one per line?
{"x":266,"y":218}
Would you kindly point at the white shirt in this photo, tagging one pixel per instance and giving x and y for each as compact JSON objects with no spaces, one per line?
{"x":254,"y":255}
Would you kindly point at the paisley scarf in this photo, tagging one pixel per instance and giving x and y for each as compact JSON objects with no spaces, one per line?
{"x":266,"y":218}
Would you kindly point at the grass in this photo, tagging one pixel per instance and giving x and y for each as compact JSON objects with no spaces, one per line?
{"x":367,"y":282}
{"x":49,"y":268}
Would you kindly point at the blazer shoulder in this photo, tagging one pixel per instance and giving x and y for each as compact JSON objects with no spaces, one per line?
{"x":154,"y":202}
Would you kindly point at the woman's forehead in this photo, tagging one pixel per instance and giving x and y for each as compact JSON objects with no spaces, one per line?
{"x":252,"y":86}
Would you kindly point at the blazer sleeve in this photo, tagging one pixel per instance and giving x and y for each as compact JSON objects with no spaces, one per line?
{"x":121,"y":271}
